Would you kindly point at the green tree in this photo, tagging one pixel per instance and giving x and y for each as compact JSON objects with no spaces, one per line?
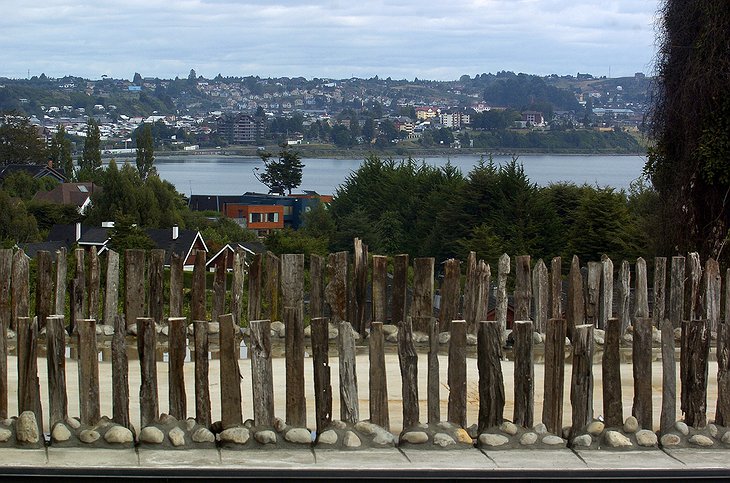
{"x":91,"y":155}
{"x":22,"y":185}
{"x":60,"y":152}
{"x":20,"y":141}
{"x":16,"y":224}
{"x":127,"y":235}
{"x":689,"y":164}
{"x":283,"y":171}
{"x":145,"y":151}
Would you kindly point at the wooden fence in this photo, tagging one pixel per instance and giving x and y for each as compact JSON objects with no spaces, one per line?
{"x":569,"y":309}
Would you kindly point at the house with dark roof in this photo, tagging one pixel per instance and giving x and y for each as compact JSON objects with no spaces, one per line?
{"x":76,"y":194}
{"x":31,"y":249}
{"x":229,"y":250}
{"x":36,"y":171}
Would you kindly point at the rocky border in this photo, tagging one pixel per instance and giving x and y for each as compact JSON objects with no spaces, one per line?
{"x":347,"y":436}
{"x":435,"y":436}
{"x":249,"y":436}
{"x":105,"y":434}
{"x":21,"y":432}
{"x":509,"y":436}
{"x":170,"y":433}
{"x":629,"y":437}
{"x":683,"y":436}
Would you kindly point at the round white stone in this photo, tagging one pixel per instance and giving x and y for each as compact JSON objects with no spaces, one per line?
{"x":712,"y":429}
{"x":384,"y":438}
{"x":462,"y":436}
{"x":5,"y":435}
{"x":337,"y":424}
{"x":266,"y":436}
{"x":351,"y":440}
{"x":214,"y":328}
{"x":508,"y":428}
{"x":726,"y":437}
{"x":701,"y":440}
{"x":365,"y":427}
{"x":118,"y":435}
{"x":631,"y":425}
{"x":26,"y":428}
{"x":553,"y":440}
{"x":444,"y":338}
{"x":615,"y":439}
{"x":298,"y":435}
{"x":328,"y":437}
{"x":584,"y":440}
{"x":670,"y":440}
{"x":443,"y":440}
{"x":540,"y":428}
{"x":89,"y":436}
{"x":646,"y":438}
{"x":415,"y":437}
{"x":151,"y":434}
{"x":190,"y":424}
{"x":528,"y":439}
{"x":471,"y":339}
{"x":682,"y":427}
{"x":489,"y":439}
{"x":236,"y":435}
{"x":595,"y":428}
{"x":177,"y":437}
{"x":60,"y":433}
{"x":108,"y":330}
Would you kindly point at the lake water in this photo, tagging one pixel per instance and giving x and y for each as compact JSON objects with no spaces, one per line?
{"x":234,"y":175}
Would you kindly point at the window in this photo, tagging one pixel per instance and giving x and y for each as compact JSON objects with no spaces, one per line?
{"x":254,"y":218}
{"x":272,"y":217}
{"x":288,"y":210}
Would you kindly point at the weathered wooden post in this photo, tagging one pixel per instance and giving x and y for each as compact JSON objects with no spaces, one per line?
{"x":239,"y":270}
{"x":606,"y":300}
{"x":581,"y":386}
{"x":336,"y":292}
{"x":695,"y":379}
{"x":270,"y":292}
{"x":433,"y":387}
{"x":29,"y":388}
{"x":556,"y":288}
{"x":134,"y":292}
{"x":613,"y":410}
{"x":156,"y":282}
{"x":669,"y":378}
{"x":712,"y":289}
{"x":80,"y":279}
{"x":523,"y":288}
{"x":262,"y":383}
{"x":722,"y":413}
{"x":146,"y":345}
{"x":660,"y":291}
{"x":676,"y":292}
{"x":230,"y":374}
{"x":218,"y":307}
{"x":93,"y":288}
{"x":349,"y":408}
{"x":6,"y":268}
{"x":484,"y":279}
{"x":56,"y":358}
{"x":471,"y":290}
{"x":380,"y":289}
{"x":500,"y":311}
{"x":552,"y":407}
{"x":457,"y":373}
{"x":60,"y":294}
{"x":422,"y":306}
{"x":398,"y":309}
{"x":378,"y":377}
{"x":44,"y":288}
{"x":575,"y":313}
{"x":491,"y":382}
{"x":111,"y":288}
{"x":198,"y":309}
{"x":541,"y":295}
{"x":254,"y":288}
{"x":624,"y":301}
{"x":450,"y":294}
{"x":593,"y":292}
{"x":296,"y":404}
{"x":176,"y":285}
{"x":120,"y":371}
{"x":177,"y":343}
{"x":202,"y":391}
{"x":20,"y":288}
{"x":641,"y":291}
{"x":408,"y":359}
{"x":360,"y":279}
{"x":641,"y":356}
{"x":89,"y":404}
{"x":524,"y":374}
{"x":322,"y":383}
{"x":316,"y":294}
{"x":693,"y":307}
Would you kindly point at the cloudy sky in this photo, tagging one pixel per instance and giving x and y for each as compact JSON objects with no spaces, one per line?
{"x":428,"y":39}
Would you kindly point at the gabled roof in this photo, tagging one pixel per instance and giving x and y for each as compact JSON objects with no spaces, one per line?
{"x":35,"y":170}
{"x":251,"y":248}
{"x":65,"y":233}
{"x":183,"y":245}
{"x":76,"y":194}
{"x":32,"y":249}
{"x":95,"y":236}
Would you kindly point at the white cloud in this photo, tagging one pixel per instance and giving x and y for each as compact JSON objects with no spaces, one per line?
{"x":329,"y":38}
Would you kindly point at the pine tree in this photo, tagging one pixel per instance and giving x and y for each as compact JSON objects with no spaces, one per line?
{"x":283,"y":172}
{"x":60,"y":152}
{"x":91,"y":155}
{"x":145,"y":151}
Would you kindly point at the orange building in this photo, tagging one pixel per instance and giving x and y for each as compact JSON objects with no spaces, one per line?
{"x":260,"y":218}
